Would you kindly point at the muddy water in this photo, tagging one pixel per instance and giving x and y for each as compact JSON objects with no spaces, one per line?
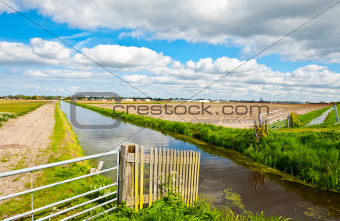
{"x":225,"y":179}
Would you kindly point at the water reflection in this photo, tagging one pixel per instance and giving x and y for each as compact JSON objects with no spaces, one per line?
{"x":256,"y":178}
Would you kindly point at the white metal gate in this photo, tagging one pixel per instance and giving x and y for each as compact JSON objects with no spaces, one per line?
{"x":274,"y":120}
{"x":32,"y":190}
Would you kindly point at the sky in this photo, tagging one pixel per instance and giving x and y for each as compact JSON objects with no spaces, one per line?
{"x":223,"y":49}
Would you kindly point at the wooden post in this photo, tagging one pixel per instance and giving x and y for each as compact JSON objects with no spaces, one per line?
{"x":123,"y":175}
{"x":260,"y":122}
{"x":100,"y":165}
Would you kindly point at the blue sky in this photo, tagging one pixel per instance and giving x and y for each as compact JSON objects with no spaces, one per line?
{"x":167,"y":53}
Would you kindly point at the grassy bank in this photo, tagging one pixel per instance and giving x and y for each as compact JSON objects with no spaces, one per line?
{"x":64,"y":146}
{"x":313,"y":157}
{"x":330,"y":120}
{"x":308,"y":117}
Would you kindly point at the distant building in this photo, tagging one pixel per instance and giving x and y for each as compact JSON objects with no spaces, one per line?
{"x":147,"y":100}
{"x":205,"y":101}
{"x":127,"y":99}
{"x":178,"y":100}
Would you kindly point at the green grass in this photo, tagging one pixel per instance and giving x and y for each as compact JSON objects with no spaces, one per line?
{"x":64,"y":146}
{"x":20,"y":108}
{"x":14,"y":109}
{"x":172,"y":208}
{"x":312,"y":157}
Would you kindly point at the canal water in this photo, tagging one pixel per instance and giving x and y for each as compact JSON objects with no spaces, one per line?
{"x":224,"y":180}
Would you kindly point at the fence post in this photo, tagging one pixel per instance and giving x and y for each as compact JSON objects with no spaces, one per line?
{"x":336,"y":113}
{"x":288,"y":120}
{"x":123,"y":175}
{"x":260,"y":123}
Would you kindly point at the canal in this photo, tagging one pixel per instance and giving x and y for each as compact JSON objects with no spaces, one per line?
{"x":225,"y":180}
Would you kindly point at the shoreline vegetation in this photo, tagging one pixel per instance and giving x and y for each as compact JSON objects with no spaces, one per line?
{"x":311,"y":156}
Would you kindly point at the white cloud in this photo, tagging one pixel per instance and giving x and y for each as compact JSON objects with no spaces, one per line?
{"x":254,"y":81}
{"x":117,"y":56}
{"x":63,"y":73}
{"x":39,"y":52}
{"x":73,"y":89}
{"x":137,"y":79}
{"x":8,"y":10}
{"x":253,"y":25}
{"x":49,"y":49}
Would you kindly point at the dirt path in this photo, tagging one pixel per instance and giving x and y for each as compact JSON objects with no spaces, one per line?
{"x":23,"y":143}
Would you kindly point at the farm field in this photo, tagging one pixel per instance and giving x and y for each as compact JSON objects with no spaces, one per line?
{"x":217,"y":117}
{"x":13,"y":109}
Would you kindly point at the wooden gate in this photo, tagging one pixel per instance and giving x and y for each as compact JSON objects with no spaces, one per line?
{"x":160,"y":171}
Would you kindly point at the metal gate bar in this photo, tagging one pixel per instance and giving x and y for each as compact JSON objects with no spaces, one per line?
{"x":32,"y":190}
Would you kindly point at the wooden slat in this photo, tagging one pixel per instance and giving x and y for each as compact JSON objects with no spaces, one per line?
{"x":174,"y":157}
{"x":181,"y":175}
{"x":167,"y":177}
{"x":195,"y":171}
{"x":155,"y":186}
{"x":197,"y":174}
{"x":141,"y":199}
{"x":190,"y":175}
{"x":177,"y":170}
{"x":163,"y":169}
{"x":159,"y":179}
{"x":151,"y":176}
{"x":185,"y":180}
{"x":136,"y":177}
